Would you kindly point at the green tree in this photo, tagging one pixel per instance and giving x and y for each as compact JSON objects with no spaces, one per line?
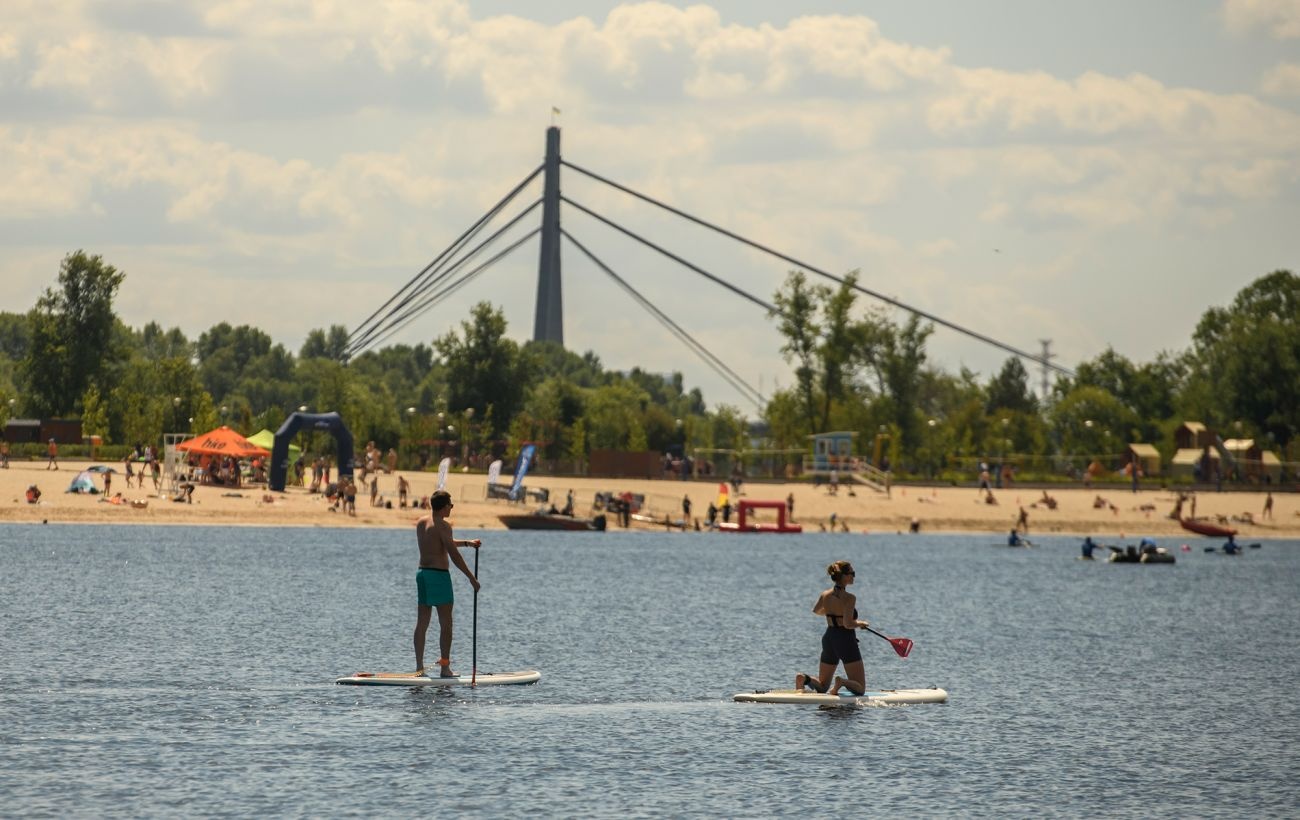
{"x":1090,"y":420}
{"x":1009,"y":390}
{"x":797,"y":305}
{"x":70,"y":332}
{"x":94,"y":415}
{"x":898,"y":357}
{"x":485,"y":370}
{"x":1246,"y":358}
{"x":15,"y":335}
{"x":321,"y":344}
{"x":154,"y":343}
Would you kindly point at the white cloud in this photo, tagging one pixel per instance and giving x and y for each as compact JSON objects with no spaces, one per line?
{"x":1280,"y":17}
{"x":298,"y":143}
{"x":1283,"y":80}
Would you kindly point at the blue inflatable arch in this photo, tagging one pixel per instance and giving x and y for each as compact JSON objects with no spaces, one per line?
{"x":332,"y":422}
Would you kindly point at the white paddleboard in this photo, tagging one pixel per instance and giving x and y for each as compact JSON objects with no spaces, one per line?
{"x":412,"y":679}
{"x":846,"y":698}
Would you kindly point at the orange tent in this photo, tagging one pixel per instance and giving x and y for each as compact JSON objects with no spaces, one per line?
{"x":222,"y":442}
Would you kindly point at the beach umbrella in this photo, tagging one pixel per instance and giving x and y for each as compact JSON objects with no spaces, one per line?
{"x":222,"y":442}
{"x":100,"y":468}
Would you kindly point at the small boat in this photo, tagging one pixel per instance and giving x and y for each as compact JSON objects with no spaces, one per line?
{"x":552,"y":521}
{"x":1148,"y":555}
{"x":1204,"y":527}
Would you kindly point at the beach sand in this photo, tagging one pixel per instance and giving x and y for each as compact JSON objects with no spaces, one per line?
{"x":938,"y":509}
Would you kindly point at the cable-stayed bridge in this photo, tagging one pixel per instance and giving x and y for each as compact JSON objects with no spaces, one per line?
{"x":480,"y":247}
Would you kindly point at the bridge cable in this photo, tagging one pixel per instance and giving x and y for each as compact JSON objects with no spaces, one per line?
{"x":812,"y":268}
{"x":720,"y":367}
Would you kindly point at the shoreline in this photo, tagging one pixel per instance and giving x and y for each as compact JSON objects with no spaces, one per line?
{"x":954,"y":510}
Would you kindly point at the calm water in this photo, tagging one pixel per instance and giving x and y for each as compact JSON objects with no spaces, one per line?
{"x":165,"y":670}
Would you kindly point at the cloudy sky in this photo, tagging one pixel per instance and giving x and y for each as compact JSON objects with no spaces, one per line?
{"x":1091,"y":173}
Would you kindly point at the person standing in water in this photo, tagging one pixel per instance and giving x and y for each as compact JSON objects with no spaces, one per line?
{"x":438,"y":550}
{"x":839,"y":641}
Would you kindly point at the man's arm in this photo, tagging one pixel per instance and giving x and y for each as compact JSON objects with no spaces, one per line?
{"x":459,"y":561}
{"x":453,"y":552}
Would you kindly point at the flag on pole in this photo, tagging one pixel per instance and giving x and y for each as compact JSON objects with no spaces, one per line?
{"x":525,"y":458}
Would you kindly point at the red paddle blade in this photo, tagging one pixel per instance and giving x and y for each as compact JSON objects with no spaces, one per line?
{"x":902,"y":646}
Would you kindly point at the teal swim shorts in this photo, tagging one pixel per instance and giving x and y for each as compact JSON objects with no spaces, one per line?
{"x":434,"y":587}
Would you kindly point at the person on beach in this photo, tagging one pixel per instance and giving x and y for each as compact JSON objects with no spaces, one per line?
{"x":53,"y":450}
{"x":438,"y":549}
{"x":403,"y":487}
{"x":839,"y":641}
{"x":1268,"y":507}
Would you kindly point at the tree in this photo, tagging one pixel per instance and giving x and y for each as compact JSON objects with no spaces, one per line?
{"x":15,"y":335}
{"x":153,"y":342}
{"x":1090,"y":420}
{"x":797,"y":310}
{"x":226,"y":354}
{"x":1247,"y":357}
{"x":485,"y":370}
{"x":70,"y":333}
{"x":321,"y":344}
{"x":1009,"y":390}
{"x":897,"y":354}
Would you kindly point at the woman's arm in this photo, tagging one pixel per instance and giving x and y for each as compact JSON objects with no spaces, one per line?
{"x":819,"y":608}
{"x":851,"y":607}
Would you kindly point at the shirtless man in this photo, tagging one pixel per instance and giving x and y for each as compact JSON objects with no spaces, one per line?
{"x":433,"y":581}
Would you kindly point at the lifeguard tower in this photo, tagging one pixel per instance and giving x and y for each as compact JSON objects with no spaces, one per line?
{"x":832,"y":453}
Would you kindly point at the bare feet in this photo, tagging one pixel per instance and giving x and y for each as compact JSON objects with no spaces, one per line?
{"x":447,"y":673}
{"x":845,"y":682}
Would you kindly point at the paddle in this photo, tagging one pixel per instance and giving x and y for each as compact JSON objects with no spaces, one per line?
{"x":901,"y":645}
{"x":473,"y":664}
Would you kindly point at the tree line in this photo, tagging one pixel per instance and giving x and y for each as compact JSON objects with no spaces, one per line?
{"x":474,"y":390}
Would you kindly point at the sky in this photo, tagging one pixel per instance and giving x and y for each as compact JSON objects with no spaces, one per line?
{"x":1097,"y":174}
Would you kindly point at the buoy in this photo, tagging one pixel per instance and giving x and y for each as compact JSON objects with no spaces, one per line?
{"x":1186,"y":548}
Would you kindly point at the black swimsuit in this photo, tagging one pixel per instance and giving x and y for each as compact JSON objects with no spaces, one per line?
{"x":839,"y":643}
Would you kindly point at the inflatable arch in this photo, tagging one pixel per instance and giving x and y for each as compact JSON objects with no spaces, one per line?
{"x":332,"y":422}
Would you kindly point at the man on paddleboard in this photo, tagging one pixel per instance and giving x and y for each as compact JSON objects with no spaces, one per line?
{"x":438,"y":550}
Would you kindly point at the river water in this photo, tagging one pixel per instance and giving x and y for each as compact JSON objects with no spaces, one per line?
{"x":155,"y":671}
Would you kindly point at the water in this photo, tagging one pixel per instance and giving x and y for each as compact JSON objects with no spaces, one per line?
{"x":164,"y":670}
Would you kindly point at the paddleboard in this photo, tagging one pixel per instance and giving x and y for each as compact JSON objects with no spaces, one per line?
{"x":845,"y":698}
{"x":520,"y":678}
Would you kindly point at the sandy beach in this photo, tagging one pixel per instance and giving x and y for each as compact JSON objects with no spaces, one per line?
{"x":938,"y":509}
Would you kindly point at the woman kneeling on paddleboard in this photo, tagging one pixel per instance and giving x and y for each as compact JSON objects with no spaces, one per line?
{"x":839,"y":642}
